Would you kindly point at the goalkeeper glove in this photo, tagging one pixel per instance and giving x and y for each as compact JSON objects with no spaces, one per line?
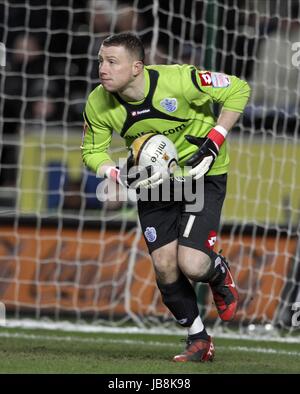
{"x":202,"y":161}
{"x":146,"y":177}
{"x":134,"y":177}
{"x":113,"y":173}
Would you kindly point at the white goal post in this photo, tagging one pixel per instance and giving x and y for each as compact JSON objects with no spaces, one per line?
{"x":64,"y":254}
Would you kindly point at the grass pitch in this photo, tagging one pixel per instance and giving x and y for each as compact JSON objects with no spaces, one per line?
{"x":58,"y":352}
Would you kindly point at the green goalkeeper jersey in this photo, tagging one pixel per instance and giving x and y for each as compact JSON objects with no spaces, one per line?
{"x":177,"y":102}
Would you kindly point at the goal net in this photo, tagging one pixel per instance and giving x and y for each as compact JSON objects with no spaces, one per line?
{"x":66,"y":255}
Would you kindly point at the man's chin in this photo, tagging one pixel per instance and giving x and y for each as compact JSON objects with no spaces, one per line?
{"x":109,"y":88}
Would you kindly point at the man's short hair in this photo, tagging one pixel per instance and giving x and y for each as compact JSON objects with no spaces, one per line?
{"x":129,"y":41}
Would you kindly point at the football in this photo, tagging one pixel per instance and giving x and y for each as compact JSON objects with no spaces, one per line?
{"x":155,"y":150}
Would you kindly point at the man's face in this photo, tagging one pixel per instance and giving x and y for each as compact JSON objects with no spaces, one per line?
{"x":116,"y":68}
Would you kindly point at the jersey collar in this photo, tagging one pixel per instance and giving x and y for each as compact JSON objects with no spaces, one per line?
{"x":146,"y":89}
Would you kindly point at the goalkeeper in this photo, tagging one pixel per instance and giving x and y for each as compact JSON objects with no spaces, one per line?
{"x":174,"y":100}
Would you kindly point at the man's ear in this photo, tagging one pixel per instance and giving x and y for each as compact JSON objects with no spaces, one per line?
{"x":138,"y":67}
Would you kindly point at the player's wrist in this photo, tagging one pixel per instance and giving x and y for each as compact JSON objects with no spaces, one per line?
{"x":217,"y":134}
{"x":113,"y":173}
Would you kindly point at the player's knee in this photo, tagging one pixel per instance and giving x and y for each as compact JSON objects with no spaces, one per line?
{"x":166,"y":271}
{"x":196,"y":267}
{"x":165,"y":264}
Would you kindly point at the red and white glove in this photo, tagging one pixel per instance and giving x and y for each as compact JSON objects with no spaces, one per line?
{"x":145,"y":178}
{"x":113,"y":173}
{"x":209,"y":146}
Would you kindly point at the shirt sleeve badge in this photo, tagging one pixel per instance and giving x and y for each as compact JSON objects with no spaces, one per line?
{"x":220,"y":80}
{"x":205,"y":78}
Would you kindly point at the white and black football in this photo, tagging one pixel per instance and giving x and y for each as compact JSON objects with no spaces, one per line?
{"x":155,"y":150}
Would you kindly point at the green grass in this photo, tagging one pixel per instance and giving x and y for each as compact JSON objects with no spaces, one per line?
{"x":45,"y":351}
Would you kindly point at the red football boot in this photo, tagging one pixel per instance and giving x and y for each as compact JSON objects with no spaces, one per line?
{"x":197,"y":350}
{"x":225,"y":293}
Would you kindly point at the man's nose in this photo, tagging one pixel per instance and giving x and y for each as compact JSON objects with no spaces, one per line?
{"x":103,"y":69}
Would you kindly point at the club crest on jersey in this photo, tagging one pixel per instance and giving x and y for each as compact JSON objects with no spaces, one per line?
{"x":150,"y":234}
{"x":169,"y":104}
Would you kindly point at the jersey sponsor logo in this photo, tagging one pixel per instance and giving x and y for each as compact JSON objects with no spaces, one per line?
{"x":174,"y":130}
{"x":169,"y":104}
{"x":205,"y":78}
{"x":220,"y":80}
{"x":143,"y":111}
{"x":211,"y":240}
{"x":150,"y":234}
{"x":164,"y":132}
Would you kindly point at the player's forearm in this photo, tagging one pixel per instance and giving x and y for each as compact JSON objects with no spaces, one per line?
{"x":104,"y":167}
{"x":228,"y":119}
{"x":95,"y":160}
{"x":225,"y":122}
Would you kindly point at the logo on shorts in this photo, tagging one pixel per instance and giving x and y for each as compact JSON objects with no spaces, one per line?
{"x":169,"y":104}
{"x":211,"y":240}
{"x":150,"y":234}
